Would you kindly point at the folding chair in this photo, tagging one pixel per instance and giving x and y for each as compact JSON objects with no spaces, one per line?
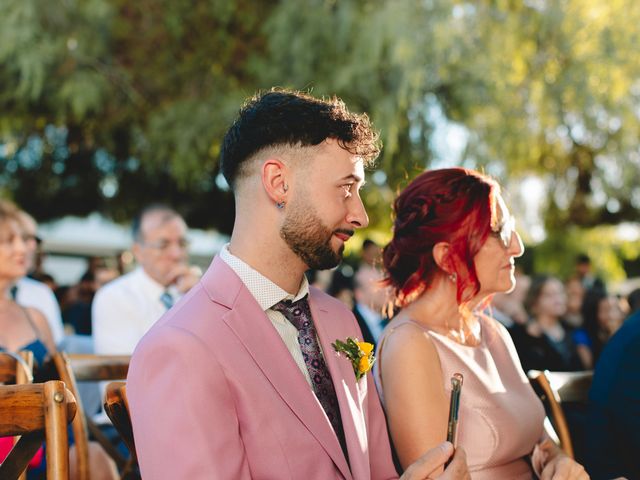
{"x":37,"y":412}
{"x":86,"y":367}
{"x":16,"y":369}
{"x":117,"y":407}
{"x":556,"y":388}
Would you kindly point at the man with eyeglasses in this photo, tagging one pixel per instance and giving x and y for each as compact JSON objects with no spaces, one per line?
{"x":124,"y":309}
{"x":29,"y":292}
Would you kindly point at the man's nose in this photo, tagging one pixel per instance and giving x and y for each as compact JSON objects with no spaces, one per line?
{"x":357,"y":215}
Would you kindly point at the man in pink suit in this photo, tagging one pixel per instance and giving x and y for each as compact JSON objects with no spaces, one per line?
{"x":239,"y":379}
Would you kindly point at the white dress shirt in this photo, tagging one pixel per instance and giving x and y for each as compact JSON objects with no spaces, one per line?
{"x":268,"y":294}
{"x":32,"y":293}
{"x":124,"y":310}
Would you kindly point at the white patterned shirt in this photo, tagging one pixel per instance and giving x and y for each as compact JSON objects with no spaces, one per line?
{"x":268,"y":294}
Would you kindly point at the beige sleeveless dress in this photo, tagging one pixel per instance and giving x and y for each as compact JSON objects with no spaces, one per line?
{"x":500,"y":417}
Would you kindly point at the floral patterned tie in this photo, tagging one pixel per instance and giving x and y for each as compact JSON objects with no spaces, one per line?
{"x":299,"y":314}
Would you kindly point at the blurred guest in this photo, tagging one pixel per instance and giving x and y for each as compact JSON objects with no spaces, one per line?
{"x":20,"y":327}
{"x":585,"y":273}
{"x":603,"y":316}
{"x":575,"y":296}
{"x":574,"y":319}
{"x":321,"y":279}
{"x":546,"y":342}
{"x":613,"y":429}
{"x":634,"y":300}
{"x":341,"y":286}
{"x":454,"y":245}
{"x":369,"y":293}
{"x":371,"y":255}
{"x":32,"y":293}
{"x":104,"y":275}
{"x":77,"y":315}
{"x":508,"y":307}
{"x":124,"y":309}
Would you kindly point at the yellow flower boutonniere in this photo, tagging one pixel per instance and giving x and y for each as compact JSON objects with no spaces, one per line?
{"x":359,"y":353}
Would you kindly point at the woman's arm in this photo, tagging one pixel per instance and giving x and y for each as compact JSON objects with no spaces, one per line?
{"x":414,"y":395}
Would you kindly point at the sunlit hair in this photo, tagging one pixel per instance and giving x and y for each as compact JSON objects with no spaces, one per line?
{"x":293,"y":119}
{"x":9,"y":215}
{"x":451,"y":205}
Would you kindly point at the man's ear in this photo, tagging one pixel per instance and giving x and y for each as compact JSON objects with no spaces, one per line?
{"x":274,"y":179}
{"x":441,"y":255}
{"x":136,"y":250}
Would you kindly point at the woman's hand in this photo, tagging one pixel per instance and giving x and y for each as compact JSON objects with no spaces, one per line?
{"x":551,"y":463}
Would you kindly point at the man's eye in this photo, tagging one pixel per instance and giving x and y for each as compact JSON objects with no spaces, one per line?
{"x":347,"y":187}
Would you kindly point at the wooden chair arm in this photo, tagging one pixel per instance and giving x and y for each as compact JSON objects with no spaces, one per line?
{"x":21,"y":407}
{"x":37,"y":412}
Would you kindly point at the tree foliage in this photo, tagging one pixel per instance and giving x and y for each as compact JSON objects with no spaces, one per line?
{"x":108,"y":104}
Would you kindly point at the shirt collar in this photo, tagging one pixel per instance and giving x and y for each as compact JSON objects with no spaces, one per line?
{"x":149,"y":285}
{"x":266,"y":293}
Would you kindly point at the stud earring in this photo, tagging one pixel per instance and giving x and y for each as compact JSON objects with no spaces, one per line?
{"x":285,"y":187}
{"x":453,"y":277}
{"x":280,"y":205}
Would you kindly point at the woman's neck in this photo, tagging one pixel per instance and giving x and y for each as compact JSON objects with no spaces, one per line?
{"x":5,"y":290}
{"x":438,"y":309}
{"x":547,"y":321}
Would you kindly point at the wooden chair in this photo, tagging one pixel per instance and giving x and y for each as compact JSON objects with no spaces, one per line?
{"x":556,"y":388}
{"x":37,"y":412}
{"x":16,"y":369}
{"x":117,"y":407}
{"x":85,"y":367}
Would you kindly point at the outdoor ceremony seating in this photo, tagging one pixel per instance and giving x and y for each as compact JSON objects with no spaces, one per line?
{"x":557,"y":390}
{"x":117,"y":408}
{"x":36,"y":412}
{"x":74,"y":368}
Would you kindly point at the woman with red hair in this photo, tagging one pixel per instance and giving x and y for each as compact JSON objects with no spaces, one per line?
{"x":454,"y":245}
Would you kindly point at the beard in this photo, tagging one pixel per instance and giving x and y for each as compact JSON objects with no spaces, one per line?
{"x":308,"y":237}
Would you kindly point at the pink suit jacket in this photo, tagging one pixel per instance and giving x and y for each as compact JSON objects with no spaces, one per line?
{"x":214,"y":393}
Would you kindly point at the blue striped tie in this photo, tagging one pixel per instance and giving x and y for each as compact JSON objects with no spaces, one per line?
{"x":167,"y":300}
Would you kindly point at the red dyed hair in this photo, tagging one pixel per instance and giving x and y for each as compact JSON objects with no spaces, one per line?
{"x":452,"y":205}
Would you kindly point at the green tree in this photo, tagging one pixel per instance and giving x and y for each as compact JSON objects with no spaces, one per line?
{"x":144,"y":92}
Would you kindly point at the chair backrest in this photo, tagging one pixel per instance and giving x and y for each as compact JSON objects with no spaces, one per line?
{"x":556,"y":388}
{"x":85,"y":367}
{"x":117,"y":407}
{"x":37,"y":412}
{"x":16,"y":368}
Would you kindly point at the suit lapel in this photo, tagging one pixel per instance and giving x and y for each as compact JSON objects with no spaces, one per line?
{"x":265,"y":346}
{"x":330,"y":328}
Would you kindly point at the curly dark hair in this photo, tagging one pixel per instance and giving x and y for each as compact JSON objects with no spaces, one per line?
{"x":284,"y":117}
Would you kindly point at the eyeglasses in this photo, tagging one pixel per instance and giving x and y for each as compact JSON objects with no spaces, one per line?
{"x":505,"y":231}
{"x":163,"y":245}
